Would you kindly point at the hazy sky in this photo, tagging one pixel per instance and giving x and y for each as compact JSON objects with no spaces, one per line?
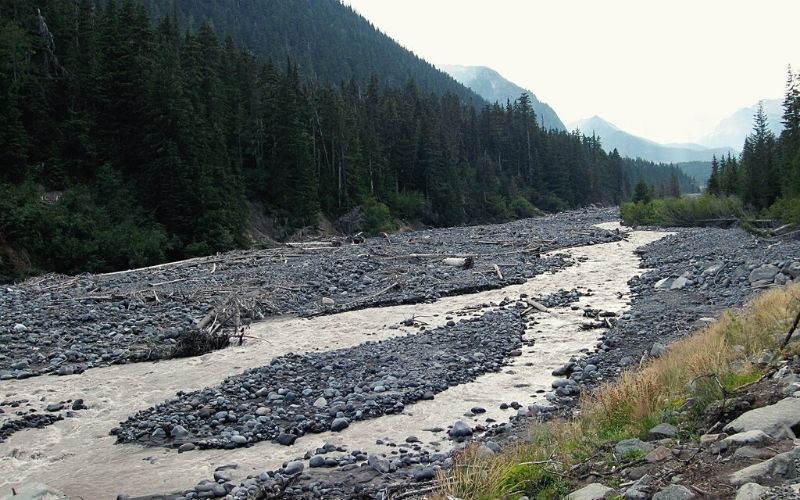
{"x":668,"y":70}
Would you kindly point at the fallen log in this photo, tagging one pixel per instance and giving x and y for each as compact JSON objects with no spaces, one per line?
{"x":462,"y":262}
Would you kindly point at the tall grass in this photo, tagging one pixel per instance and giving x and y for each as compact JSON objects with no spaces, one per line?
{"x":705,"y":367}
{"x":678,"y":212}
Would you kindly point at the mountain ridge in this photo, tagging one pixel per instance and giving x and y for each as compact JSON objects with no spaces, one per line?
{"x":633,"y":146}
{"x":493,"y":87}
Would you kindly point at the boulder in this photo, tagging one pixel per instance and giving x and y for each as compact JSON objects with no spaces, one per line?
{"x":674,"y":492}
{"x":638,"y":490}
{"x":634,"y":445}
{"x":756,"y":436}
{"x":658,"y":350}
{"x":660,"y":454}
{"x":766,"y":272}
{"x":778,"y":467}
{"x":773,"y":419}
{"x":594,"y":491}
{"x":792,"y":269}
{"x":662,"y":431}
{"x":750,"y":491}
{"x":679,"y":283}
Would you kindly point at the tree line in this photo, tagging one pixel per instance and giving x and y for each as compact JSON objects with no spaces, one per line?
{"x":766,"y":176}
{"x":127,"y":142}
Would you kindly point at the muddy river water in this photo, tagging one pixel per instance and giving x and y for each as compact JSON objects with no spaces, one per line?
{"x":80,"y":458}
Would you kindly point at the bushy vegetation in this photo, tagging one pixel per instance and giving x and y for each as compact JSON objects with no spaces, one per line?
{"x":681,"y":212}
{"x":703,"y":368}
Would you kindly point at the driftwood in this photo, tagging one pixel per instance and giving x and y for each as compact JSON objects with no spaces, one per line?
{"x":791,"y":331}
{"x":497,"y":270}
{"x":462,"y":262}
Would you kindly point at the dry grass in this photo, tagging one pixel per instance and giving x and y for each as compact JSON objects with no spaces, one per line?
{"x":706,"y":366}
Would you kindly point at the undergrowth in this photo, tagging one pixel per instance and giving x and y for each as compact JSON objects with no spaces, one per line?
{"x":705,"y":367}
{"x":681,"y":212}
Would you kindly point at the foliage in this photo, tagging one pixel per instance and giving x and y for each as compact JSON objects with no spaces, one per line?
{"x":377,"y":218}
{"x":678,"y":212}
{"x":786,"y":209}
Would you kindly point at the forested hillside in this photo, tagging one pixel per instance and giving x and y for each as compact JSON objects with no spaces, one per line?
{"x":125,"y":143}
{"x":328,"y":41}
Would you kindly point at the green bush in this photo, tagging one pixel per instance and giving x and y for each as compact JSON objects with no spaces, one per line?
{"x":681,"y":212}
{"x":377,"y":217}
{"x":497,"y":209}
{"x":786,"y":210}
{"x":76,"y":234}
{"x":408,"y":205}
{"x":522,"y":208}
{"x":535,"y":481}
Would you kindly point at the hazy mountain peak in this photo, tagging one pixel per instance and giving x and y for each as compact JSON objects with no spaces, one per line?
{"x":491,"y":85}
{"x":612,"y":137}
{"x":732,"y":130}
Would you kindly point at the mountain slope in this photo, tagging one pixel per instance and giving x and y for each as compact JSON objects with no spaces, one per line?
{"x":343,"y":44}
{"x":732,"y":131}
{"x":638,"y":147}
{"x":490,"y":85}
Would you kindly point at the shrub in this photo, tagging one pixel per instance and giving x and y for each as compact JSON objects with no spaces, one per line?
{"x":408,"y":205}
{"x":682,"y":212}
{"x":377,"y":217}
{"x":522,"y":208}
{"x":786,"y":210}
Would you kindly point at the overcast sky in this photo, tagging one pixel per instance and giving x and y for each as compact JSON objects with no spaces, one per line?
{"x":667,"y":70}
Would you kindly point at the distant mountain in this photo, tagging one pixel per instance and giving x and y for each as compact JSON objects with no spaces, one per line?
{"x":491,"y":85}
{"x":732,"y":131}
{"x":329,"y":41}
{"x":638,"y":147}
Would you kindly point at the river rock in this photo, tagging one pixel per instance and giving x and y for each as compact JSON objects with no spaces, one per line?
{"x":294,"y":467}
{"x":674,"y":492}
{"x":778,"y":467}
{"x":766,"y":272}
{"x":593,"y":491}
{"x":662,"y":431}
{"x":460,"y":430}
{"x":379,"y":464}
{"x":792,"y":269}
{"x":178,"y":432}
{"x":658,"y":350}
{"x":285,"y":439}
{"x":679,"y":283}
{"x":756,"y":436}
{"x":750,"y":491}
{"x":339,"y":424}
{"x":425,"y":474}
{"x":634,"y":445}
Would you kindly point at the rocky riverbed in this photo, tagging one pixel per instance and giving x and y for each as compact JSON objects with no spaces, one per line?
{"x":291,"y":381}
{"x":65,"y":325}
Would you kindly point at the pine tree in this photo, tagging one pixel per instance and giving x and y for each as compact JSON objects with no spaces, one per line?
{"x":714,"y":180}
